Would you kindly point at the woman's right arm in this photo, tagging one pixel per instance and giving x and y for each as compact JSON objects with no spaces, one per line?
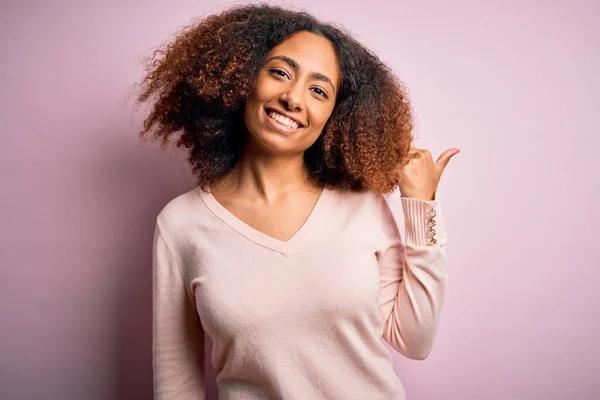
{"x":177,"y":334}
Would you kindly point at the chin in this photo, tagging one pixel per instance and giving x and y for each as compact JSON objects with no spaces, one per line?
{"x":273,"y":143}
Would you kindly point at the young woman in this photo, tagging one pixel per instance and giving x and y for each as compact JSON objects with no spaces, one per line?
{"x":286,"y":253}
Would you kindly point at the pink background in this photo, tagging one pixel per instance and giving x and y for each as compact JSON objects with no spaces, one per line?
{"x":515,"y":87}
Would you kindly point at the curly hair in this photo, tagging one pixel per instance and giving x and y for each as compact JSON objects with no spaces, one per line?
{"x":201,"y":81}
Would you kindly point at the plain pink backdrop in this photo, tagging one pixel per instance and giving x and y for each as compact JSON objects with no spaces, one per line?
{"x":514,"y":86}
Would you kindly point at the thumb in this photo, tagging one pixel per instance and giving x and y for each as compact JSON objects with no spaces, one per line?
{"x":445,"y":157}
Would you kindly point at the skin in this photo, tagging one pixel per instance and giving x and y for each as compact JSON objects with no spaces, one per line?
{"x":268,"y":188}
{"x":419,"y":176}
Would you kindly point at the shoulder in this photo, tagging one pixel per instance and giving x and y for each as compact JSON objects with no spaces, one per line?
{"x":368,"y":201}
{"x":366,"y":207}
{"x":180,"y":212}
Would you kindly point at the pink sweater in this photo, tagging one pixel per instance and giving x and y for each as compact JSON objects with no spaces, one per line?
{"x":303,"y":319}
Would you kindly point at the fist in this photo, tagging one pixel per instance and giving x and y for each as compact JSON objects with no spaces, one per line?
{"x":418,"y":175}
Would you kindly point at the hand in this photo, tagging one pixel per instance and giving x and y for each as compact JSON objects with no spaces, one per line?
{"x":418,"y":176}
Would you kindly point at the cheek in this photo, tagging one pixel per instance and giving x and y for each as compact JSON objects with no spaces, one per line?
{"x":252,"y":109}
{"x":321,"y":115}
{"x":264,"y":89}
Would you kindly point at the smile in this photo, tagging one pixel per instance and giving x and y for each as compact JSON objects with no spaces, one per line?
{"x":282,"y":123}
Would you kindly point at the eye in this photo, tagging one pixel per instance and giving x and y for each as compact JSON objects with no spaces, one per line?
{"x":320,"y":92}
{"x":279,"y":72}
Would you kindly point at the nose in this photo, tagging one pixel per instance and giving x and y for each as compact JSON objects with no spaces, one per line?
{"x":292,"y":98}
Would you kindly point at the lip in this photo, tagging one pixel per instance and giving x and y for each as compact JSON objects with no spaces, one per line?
{"x":280,"y":127}
{"x":267,"y":109}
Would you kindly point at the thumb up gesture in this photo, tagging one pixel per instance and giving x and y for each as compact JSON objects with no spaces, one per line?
{"x":418,"y":176}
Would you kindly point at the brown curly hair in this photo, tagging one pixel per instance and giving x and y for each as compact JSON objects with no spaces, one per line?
{"x":201,"y":80}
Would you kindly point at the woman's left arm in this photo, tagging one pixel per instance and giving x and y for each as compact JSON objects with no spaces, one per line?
{"x":413,"y":277}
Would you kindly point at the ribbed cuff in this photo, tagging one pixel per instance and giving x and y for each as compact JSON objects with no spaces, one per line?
{"x":423,"y":222}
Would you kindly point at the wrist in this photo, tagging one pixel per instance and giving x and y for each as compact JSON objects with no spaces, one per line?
{"x":419,"y":196}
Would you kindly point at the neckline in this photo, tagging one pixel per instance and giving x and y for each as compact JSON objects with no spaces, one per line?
{"x":286,"y":248}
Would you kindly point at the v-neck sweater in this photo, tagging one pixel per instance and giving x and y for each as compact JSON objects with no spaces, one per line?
{"x":302,"y":319}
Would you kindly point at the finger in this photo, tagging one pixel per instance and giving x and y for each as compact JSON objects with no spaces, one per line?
{"x":427,"y":155}
{"x":412,"y":153}
{"x":445,"y":157}
{"x":412,"y":156}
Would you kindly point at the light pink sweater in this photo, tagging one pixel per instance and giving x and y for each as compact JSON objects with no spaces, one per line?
{"x":303,"y":319}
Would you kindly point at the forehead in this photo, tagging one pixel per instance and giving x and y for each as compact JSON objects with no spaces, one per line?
{"x":313,"y":53}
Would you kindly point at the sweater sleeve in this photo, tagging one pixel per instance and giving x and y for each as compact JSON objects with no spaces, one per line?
{"x":413,"y":276}
{"x":177,"y":334}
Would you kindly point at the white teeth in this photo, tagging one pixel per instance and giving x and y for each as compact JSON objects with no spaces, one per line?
{"x":283,"y":120}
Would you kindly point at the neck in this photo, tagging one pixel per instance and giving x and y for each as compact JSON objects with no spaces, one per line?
{"x":262,"y":176}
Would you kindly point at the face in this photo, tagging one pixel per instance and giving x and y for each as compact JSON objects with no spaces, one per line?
{"x":294,"y":95}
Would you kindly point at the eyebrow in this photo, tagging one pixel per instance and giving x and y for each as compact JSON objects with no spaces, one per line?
{"x":292,"y":63}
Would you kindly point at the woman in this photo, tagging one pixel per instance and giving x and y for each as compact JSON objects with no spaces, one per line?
{"x":286,"y":253}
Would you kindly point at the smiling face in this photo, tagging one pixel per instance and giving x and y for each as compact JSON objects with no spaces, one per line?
{"x":294,"y":95}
